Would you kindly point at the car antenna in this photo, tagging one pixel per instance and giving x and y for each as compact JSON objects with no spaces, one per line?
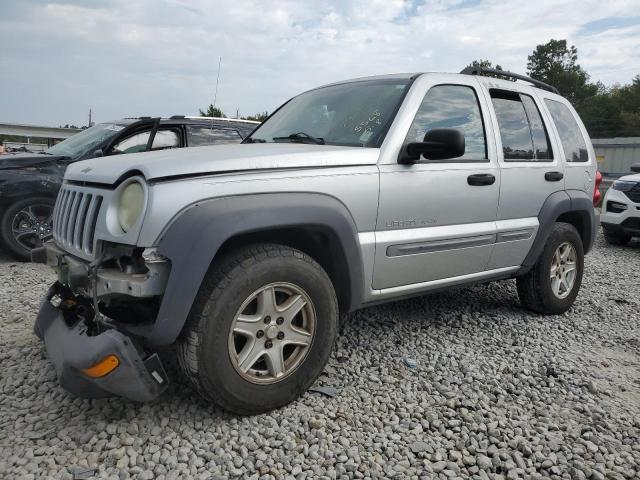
{"x":215,"y":95}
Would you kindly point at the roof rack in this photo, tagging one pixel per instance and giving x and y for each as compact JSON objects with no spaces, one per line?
{"x":222,"y":119}
{"x":505,"y":73}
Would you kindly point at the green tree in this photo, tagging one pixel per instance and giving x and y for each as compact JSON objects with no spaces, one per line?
{"x":484,"y":64}
{"x":628,"y":98}
{"x":488,"y":64}
{"x":612,"y":112}
{"x":258,"y":117}
{"x":555,"y":63}
{"x":212,"y":111}
{"x":601,"y":114}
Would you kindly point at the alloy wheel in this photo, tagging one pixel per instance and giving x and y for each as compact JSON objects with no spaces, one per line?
{"x":563,"y":270}
{"x":272,"y":333}
{"x":32,"y":225}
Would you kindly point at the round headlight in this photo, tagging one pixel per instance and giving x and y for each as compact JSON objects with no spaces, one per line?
{"x":130,"y":205}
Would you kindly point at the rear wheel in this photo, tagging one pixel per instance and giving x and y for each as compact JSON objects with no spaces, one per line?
{"x":552,"y":285}
{"x":261,"y":330}
{"x":615,"y":236}
{"x":26,"y":224}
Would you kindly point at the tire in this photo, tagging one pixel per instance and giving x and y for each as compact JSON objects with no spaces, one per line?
{"x":615,"y":236}
{"x":536,"y":287}
{"x":208,"y":350}
{"x":36,"y":213}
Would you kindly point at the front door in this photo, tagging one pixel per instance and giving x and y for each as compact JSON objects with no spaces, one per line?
{"x":436,"y":219}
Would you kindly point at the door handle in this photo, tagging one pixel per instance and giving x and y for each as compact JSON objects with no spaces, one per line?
{"x":481,"y":179}
{"x":553,"y":176}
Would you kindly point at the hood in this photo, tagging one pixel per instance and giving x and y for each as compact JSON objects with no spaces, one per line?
{"x":22,"y":160}
{"x":631,"y":178}
{"x":218,"y":159}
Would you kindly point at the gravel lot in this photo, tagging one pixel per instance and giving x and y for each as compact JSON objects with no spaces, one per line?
{"x":496,"y":392}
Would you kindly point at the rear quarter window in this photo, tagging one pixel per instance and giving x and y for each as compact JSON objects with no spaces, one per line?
{"x":573,"y":142}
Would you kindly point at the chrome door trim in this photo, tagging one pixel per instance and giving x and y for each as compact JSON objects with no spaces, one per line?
{"x":439,"y":232}
{"x":439,"y":245}
{"x":515,"y":235}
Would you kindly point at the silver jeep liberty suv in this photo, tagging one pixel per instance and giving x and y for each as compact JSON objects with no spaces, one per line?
{"x":355,"y":193}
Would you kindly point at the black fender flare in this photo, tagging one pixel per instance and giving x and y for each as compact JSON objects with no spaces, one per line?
{"x":557,"y":204}
{"x":193,"y":238}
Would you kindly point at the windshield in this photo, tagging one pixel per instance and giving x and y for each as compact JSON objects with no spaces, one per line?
{"x":85,"y":141}
{"x":354,"y":114}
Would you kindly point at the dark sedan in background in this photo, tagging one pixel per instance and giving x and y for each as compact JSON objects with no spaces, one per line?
{"x":29,"y":182}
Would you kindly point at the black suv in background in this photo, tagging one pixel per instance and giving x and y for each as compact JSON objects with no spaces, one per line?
{"x":29,"y":182}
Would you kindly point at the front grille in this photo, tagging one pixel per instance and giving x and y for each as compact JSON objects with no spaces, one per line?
{"x":74,"y":219}
{"x":634,"y":193}
{"x":631,"y":224}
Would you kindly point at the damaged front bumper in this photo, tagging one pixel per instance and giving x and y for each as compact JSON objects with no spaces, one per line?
{"x":93,"y":356}
{"x":73,"y":351}
{"x":77,"y":275}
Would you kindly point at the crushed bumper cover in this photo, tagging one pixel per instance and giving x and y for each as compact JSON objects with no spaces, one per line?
{"x":74,"y":272}
{"x":71,"y":349}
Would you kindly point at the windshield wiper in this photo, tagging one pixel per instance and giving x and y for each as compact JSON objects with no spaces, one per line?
{"x":255,"y":140}
{"x":301,"y":137}
{"x":44,"y":153}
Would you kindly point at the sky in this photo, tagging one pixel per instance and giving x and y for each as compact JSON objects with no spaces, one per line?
{"x":125,"y":58}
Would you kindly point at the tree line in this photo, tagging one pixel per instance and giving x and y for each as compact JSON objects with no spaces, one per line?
{"x":606,"y":111}
{"x":212,"y":111}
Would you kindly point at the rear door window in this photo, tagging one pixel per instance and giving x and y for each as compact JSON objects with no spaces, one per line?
{"x":539,"y":136}
{"x":573,"y":142}
{"x":523,"y":133}
{"x":198,"y":135}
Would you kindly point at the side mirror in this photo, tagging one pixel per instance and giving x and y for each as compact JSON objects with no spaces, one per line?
{"x":98,"y":153}
{"x":635,"y":167}
{"x":438,"y":144}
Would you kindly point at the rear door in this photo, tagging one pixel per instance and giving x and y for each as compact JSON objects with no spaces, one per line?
{"x":530,"y":170}
{"x":436,"y":219}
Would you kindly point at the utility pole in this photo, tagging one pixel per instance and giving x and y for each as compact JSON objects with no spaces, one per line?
{"x":89,"y":126}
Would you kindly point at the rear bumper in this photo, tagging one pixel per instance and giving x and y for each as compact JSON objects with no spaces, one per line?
{"x":72,"y":349}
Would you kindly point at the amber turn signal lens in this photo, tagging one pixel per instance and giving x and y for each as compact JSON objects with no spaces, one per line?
{"x":106,"y":365}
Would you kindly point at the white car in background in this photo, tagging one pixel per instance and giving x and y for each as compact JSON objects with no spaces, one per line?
{"x":621,"y":209}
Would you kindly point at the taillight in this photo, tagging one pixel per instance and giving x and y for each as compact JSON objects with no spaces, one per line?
{"x":597,"y":195}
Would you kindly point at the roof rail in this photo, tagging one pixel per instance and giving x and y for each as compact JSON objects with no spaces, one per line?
{"x":505,"y":73}
{"x":223,"y":119}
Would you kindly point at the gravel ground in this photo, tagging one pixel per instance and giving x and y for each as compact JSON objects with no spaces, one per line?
{"x":496,"y":392}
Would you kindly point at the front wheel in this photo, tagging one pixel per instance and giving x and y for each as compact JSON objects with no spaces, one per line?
{"x":26,"y":224}
{"x":261,"y":330}
{"x":552,"y":285}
